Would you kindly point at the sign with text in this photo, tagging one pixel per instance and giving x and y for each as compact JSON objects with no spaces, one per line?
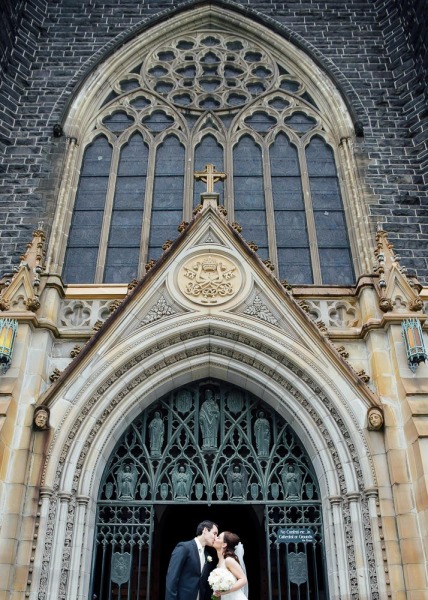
{"x":295,"y":535}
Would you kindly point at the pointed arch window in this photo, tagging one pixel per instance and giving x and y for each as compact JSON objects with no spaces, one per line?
{"x":210,"y":97}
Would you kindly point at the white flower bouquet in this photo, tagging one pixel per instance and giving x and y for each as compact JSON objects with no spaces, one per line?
{"x":220,"y":580}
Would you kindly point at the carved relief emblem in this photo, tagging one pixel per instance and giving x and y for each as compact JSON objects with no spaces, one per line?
{"x":209,"y":279}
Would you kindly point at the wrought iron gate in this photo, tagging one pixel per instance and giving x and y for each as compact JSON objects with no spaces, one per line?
{"x":209,"y":443}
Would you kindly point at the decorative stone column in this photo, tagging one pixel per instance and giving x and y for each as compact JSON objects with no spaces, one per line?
{"x":77,"y":571}
{"x":361,"y":565}
{"x":58,"y":545}
{"x":40,"y":537}
{"x":341,"y":582}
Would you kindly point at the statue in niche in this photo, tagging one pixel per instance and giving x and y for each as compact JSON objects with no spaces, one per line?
{"x":126,"y":482}
{"x":156,"y":433}
{"x":375,"y":419}
{"x":182,"y":477}
{"x":209,"y":417}
{"x":291,"y":477}
{"x":262,"y":435}
{"x":237,"y":478}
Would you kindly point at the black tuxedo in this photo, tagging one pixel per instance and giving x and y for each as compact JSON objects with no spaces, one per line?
{"x":184,"y":580}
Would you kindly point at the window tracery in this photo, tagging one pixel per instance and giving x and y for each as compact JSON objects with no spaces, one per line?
{"x":220,"y":98}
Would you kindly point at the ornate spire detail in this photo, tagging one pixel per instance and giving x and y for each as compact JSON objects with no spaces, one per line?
{"x":397,"y":293}
{"x":22,"y":291}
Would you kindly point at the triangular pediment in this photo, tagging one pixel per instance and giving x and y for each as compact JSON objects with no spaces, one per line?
{"x":209,"y":281}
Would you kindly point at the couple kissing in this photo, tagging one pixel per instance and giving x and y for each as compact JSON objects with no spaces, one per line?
{"x":195,"y":575}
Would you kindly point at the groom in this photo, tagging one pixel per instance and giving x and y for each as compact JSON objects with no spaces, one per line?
{"x":189,"y":568}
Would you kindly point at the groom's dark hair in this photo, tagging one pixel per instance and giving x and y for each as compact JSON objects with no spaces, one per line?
{"x":208,"y":524}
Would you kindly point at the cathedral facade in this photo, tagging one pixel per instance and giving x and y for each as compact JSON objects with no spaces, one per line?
{"x":214,"y":294}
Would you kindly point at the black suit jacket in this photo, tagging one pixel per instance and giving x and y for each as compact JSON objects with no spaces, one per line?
{"x":184,"y":578}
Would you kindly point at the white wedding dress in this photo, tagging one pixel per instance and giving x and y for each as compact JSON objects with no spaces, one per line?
{"x":238,"y":595}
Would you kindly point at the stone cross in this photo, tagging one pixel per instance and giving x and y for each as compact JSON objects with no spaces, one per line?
{"x":210,"y":176}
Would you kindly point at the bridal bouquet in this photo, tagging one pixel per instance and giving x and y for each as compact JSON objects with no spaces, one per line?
{"x":220,"y":580}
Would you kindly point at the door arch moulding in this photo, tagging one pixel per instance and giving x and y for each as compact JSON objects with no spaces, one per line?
{"x":93,"y":426}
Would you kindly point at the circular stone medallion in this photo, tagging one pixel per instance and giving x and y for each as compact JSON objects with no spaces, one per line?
{"x":209,"y":279}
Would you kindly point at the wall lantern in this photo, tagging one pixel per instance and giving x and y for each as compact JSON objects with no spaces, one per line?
{"x":8,"y":329}
{"x":411,"y":331}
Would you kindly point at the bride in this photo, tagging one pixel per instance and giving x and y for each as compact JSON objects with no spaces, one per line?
{"x":226,"y":545}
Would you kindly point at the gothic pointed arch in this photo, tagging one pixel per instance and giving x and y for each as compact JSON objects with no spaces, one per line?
{"x":161,"y":86}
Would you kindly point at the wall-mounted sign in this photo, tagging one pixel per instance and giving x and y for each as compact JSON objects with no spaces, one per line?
{"x":295,"y":535}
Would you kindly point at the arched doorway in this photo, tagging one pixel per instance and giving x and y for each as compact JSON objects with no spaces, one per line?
{"x":209,"y":450}
{"x":177,"y":523}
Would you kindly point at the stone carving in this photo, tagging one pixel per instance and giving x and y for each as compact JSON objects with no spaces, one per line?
{"x":291,"y":477}
{"x":237,"y":478}
{"x":159,"y":310}
{"x":209,"y":416}
{"x":156,"y":434}
{"x":210,"y":279}
{"x":75,"y":351}
{"x":160,"y":67}
{"x":182,"y":477}
{"x":261,"y":311}
{"x":41,"y":418}
{"x":56,"y":374}
{"x":262,"y":435}
{"x":76,"y":313}
{"x":235,"y":401}
{"x":126,"y":482}
{"x":83,"y":314}
{"x":375,"y":419}
{"x":333,"y":313}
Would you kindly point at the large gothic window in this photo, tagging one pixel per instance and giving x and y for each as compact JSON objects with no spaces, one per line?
{"x":198,"y":99}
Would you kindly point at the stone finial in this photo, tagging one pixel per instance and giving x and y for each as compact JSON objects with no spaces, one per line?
{"x":22,"y":291}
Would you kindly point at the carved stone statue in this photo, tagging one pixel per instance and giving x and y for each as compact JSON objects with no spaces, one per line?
{"x":291,"y":477}
{"x":41,"y":418}
{"x":156,"y":433}
{"x":262,"y":434}
{"x":375,"y":419}
{"x":209,"y":416}
{"x":237,"y":478}
{"x":182,"y":478}
{"x":126,"y":482}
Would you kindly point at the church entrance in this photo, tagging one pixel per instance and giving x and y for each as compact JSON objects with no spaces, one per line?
{"x":209,"y":450}
{"x":178,"y":523}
